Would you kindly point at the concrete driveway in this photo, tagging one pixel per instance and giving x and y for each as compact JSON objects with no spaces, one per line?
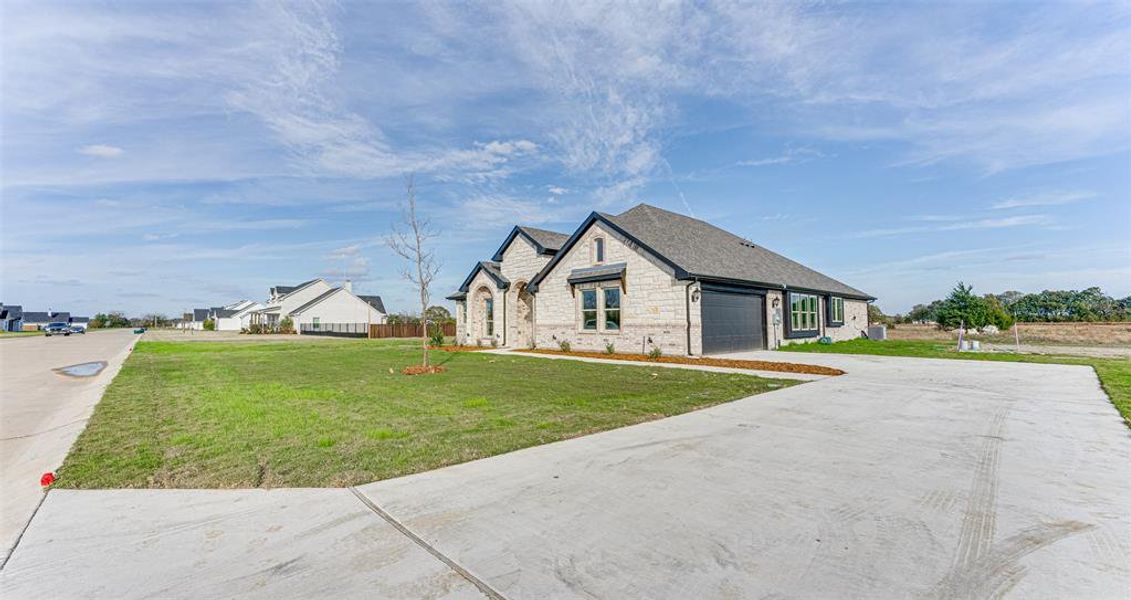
{"x":903,"y":478}
{"x":42,"y":412}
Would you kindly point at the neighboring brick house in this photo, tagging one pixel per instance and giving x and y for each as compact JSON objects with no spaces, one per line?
{"x":650,"y":278}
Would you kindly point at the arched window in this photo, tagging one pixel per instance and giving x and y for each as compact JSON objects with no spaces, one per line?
{"x":599,"y":249}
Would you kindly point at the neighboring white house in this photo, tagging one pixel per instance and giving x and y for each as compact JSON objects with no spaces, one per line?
{"x":235,"y":316}
{"x":339,"y":309}
{"x":195,"y":319}
{"x":315,"y":302}
{"x":286,"y":298}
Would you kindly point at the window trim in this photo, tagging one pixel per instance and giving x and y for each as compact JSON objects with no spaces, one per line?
{"x":599,"y":249}
{"x":596,"y":310}
{"x":605,"y":308}
{"x":489,"y":316}
{"x":832,"y":302}
{"x":792,"y":332}
{"x":599,"y":291}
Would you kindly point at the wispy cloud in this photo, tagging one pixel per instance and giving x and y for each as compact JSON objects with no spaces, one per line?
{"x":1045,"y":199}
{"x":791,"y":156}
{"x":101,"y":151}
{"x":989,"y":223}
{"x":348,"y":262}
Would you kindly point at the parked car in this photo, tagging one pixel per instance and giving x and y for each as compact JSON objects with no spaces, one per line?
{"x":74,"y":329}
{"x":57,"y":329}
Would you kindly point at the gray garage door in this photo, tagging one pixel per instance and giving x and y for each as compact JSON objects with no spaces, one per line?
{"x":732,"y":322}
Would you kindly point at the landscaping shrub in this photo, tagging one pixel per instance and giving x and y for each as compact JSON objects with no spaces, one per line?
{"x":437,"y":338}
{"x":209,"y":325}
{"x":609,"y":348}
{"x":655,"y":353}
{"x":286,"y":326}
{"x":564,"y":345}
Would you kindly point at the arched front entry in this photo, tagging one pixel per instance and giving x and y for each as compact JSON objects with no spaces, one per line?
{"x":482,"y":313}
{"x":524,"y":313}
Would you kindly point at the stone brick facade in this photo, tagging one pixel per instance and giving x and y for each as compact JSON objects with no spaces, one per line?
{"x":855,"y":321}
{"x":521,"y":262}
{"x":656,"y":309}
{"x":653,"y":303}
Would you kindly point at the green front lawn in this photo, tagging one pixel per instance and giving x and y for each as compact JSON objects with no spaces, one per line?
{"x":1114,"y":373}
{"x":223,"y":415}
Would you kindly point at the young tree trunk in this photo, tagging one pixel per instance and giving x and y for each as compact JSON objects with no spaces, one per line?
{"x":410,"y":244}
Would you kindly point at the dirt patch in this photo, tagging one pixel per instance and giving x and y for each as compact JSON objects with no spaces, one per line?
{"x":758,"y":365}
{"x":422,"y":370}
{"x":1087,"y":334}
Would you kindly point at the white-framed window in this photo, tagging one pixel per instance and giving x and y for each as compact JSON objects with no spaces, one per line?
{"x":599,"y":249}
{"x":836,"y":309}
{"x":589,"y":310}
{"x":611,"y":308}
{"x":803,"y":312}
{"x":314,"y":324}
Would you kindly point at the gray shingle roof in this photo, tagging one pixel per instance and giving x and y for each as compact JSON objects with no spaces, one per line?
{"x":492,"y":269}
{"x":199,"y":314}
{"x":222,"y":313}
{"x":706,"y":251}
{"x":545,"y":241}
{"x":550,"y":240}
{"x":283,"y":290}
{"x":36,"y":317}
{"x":375,"y":302}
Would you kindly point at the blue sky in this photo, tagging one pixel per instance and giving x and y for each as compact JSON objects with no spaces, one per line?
{"x":161,"y":156}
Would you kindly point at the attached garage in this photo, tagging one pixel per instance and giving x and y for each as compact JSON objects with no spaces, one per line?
{"x":733,"y":320}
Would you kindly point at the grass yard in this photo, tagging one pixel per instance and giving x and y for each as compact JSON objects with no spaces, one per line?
{"x":231,"y":414}
{"x":1114,"y":374}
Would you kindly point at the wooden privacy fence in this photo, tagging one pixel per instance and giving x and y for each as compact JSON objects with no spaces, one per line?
{"x":406,"y":330}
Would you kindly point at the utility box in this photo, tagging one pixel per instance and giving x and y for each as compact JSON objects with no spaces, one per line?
{"x":878,"y":332}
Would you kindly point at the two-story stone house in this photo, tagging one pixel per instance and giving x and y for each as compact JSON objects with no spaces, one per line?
{"x":650,"y":278}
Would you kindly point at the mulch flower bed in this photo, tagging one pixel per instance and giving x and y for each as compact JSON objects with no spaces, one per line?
{"x":759,"y":365}
{"x":422,"y":370}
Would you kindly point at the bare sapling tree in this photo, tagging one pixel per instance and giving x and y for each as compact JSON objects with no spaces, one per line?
{"x":409,"y":240}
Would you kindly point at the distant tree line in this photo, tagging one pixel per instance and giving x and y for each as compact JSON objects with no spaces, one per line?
{"x":108,"y":320}
{"x":962,"y":305}
{"x":119,"y":319}
{"x":437,"y":315}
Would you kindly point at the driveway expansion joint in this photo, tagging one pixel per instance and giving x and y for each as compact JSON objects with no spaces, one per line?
{"x":27,"y":524}
{"x":487,"y":590}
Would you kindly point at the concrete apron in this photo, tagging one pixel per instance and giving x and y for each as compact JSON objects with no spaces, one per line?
{"x":36,"y":439}
{"x":904,"y":478}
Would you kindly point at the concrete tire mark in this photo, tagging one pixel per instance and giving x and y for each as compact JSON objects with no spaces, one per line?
{"x":980,"y":520}
{"x":995,"y":573}
{"x":981,"y":568}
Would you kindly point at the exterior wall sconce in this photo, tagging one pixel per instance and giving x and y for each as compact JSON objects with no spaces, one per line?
{"x":695,"y":296}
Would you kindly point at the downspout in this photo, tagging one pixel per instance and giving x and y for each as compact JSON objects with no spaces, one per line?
{"x":504,"y":317}
{"x":687,"y":299}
